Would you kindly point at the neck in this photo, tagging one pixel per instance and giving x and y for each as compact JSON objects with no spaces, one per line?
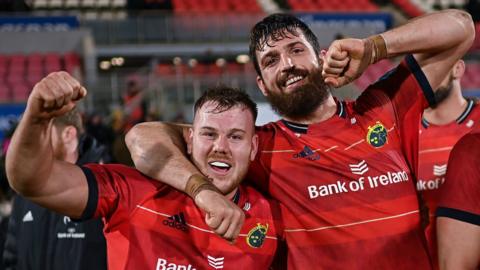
{"x":324,"y":111}
{"x":448,"y":110}
{"x":231,"y":195}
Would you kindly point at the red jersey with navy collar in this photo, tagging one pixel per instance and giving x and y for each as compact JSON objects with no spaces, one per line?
{"x":149,"y":225}
{"x":436,"y":142}
{"x":346,"y":186}
{"x":459,"y":197}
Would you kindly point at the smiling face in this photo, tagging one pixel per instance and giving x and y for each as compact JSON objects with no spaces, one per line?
{"x":291,"y":76}
{"x":222,"y":144}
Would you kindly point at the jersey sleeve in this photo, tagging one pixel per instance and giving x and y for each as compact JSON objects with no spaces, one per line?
{"x":114,"y":190}
{"x":404,"y":92}
{"x":459,"y":197}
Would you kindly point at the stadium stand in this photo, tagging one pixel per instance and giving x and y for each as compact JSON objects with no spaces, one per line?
{"x":332,"y":5}
{"x":19,"y":73}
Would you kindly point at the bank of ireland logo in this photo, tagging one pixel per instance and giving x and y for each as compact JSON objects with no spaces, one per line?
{"x":439,"y":170}
{"x":256,"y":236}
{"x":377,"y":135}
{"x":359,"y":168}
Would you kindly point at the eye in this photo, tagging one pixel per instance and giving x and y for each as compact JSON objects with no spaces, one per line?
{"x":269,"y":61}
{"x":236,"y":137}
{"x":297,"y":50}
{"x":208,"y":134}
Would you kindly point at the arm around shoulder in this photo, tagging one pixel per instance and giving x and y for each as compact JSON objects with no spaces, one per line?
{"x":159,"y":151}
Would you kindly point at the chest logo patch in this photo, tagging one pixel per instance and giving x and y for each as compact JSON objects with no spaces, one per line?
{"x":256,"y":236}
{"x":307,"y":153}
{"x":377,"y":135}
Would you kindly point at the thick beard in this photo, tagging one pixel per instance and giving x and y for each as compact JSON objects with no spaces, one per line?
{"x":303,"y":101}
{"x":442,"y":93}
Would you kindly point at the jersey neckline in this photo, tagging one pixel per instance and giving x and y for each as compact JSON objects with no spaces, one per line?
{"x":303,"y":128}
{"x":470,"y":105}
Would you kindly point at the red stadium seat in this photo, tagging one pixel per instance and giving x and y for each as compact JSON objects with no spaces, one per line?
{"x":20,"y":92}
{"x":52,"y":63}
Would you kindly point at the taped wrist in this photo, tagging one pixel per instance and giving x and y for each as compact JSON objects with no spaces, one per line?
{"x":197,"y":183}
{"x":379,"y":48}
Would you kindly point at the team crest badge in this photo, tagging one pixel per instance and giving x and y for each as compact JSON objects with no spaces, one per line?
{"x":256,"y":236}
{"x":377,"y":135}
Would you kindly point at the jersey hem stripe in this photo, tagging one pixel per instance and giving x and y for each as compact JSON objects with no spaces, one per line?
{"x":458,"y":215}
{"x":92,"y":194}
{"x":421,"y":79}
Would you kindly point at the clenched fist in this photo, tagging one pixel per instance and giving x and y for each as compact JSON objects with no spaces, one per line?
{"x":54,"y":95}
{"x":345,"y":60}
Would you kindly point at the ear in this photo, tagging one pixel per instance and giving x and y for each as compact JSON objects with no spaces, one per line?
{"x":188,"y":136}
{"x":261,"y":85}
{"x":69,"y":134}
{"x":458,"y":69}
{"x":254,"y":151}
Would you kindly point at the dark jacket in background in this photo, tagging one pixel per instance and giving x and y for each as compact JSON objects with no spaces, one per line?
{"x":38,"y":238}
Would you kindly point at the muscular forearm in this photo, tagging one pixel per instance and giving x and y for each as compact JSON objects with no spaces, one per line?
{"x":158,"y":150}
{"x":432,"y":32}
{"x":30,"y":156}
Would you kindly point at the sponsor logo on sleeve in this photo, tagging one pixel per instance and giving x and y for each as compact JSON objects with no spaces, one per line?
{"x":256,"y":236}
{"x":377,"y":135}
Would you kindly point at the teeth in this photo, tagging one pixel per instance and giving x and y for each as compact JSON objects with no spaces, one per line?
{"x":293,"y":80}
{"x":220,"y":164}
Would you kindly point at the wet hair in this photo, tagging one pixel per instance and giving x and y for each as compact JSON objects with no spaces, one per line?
{"x":225,"y":98}
{"x":72,"y":118}
{"x":276,"y":27}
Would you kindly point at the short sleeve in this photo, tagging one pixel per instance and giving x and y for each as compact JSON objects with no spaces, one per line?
{"x":114,"y":189}
{"x":460,"y":194}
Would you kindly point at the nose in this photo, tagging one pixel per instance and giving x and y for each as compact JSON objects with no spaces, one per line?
{"x":287,"y":62}
{"x":221,"y":145}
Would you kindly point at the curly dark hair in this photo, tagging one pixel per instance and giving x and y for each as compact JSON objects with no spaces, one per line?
{"x":225,"y":98}
{"x":276,"y":27}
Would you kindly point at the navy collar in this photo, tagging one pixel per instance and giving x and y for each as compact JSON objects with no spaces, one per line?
{"x":470,"y":105}
{"x":303,"y":128}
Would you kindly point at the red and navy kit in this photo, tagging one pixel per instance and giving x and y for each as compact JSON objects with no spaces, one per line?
{"x":149,"y":225}
{"x":459,"y":197}
{"x":346,"y":186}
{"x":436,"y":142}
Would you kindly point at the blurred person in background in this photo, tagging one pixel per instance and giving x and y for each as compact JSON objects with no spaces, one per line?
{"x":458,"y":211}
{"x":39,"y":238}
{"x":343,"y":172}
{"x":442,"y":126}
{"x":149,"y":225}
{"x":134,"y":110}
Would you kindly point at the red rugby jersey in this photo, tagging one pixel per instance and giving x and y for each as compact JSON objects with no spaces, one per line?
{"x":459,"y":197}
{"x":149,"y":225}
{"x":345,"y":185}
{"x":436,"y":142}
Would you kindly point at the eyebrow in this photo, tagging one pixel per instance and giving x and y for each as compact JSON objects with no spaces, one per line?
{"x":233,"y":130}
{"x":289,"y":46}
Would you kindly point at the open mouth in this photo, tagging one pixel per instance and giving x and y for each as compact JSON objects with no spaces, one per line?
{"x":293,"y":80}
{"x":220,"y":166}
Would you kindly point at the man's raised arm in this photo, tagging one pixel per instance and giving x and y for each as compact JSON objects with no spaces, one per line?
{"x":159,"y":151}
{"x":437,"y":41}
{"x":31,"y":168}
